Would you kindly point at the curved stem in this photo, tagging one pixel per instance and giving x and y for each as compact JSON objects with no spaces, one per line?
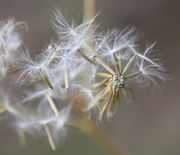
{"x":95,"y":132}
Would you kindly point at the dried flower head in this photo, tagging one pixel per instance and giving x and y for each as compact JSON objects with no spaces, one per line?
{"x":81,"y":71}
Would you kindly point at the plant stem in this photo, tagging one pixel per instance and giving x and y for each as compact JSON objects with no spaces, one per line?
{"x":2,"y":109}
{"x":89,"y":9}
{"x":52,"y":105}
{"x":22,"y":138}
{"x":129,"y":64}
{"x":66,"y":78}
{"x":50,"y":138}
{"x":95,"y":132}
{"x":45,"y":80}
{"x":104,"y":65}
{"x":51,"y":58}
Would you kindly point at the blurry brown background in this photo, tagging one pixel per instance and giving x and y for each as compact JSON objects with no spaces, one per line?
{"x":150,"y":125}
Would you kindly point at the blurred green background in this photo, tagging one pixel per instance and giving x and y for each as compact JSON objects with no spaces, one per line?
{"x":148,"y":126}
